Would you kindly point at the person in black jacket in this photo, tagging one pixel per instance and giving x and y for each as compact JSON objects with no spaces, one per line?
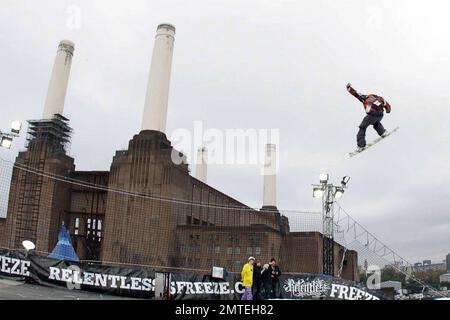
{"x":257,"y":281}
{"x":266,"y":280}
{"x":275,"y":273}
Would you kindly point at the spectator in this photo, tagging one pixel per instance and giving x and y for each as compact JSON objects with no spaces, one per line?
{"x":257,"y":281}
{"x":266,"y":281}
{"x":247,"y":279}
{"x":275,"y":273}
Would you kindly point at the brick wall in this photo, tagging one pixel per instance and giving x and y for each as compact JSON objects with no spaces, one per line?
{"x":2,"y":232}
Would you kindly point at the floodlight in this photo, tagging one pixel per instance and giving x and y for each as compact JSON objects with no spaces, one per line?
{"x":217,"y":272}
{"x":338,"y":193}
{"x":16,"y":126}
{"x":28,"y":245}
{"x":345,"y":180}
{"x":317,"y":192}
{"x":6,"y":142}
{"x":323,"y":178}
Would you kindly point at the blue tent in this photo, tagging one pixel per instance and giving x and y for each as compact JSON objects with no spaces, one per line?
{"x":64,"y":249}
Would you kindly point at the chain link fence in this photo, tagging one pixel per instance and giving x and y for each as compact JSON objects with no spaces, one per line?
{"x":124,"y":217}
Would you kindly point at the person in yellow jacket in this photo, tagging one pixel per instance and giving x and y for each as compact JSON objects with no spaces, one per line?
{"x":247,"y":279}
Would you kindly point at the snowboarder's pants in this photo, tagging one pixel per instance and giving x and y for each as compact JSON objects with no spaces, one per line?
{"x":369,"y":120}
{"x":247,"y":294}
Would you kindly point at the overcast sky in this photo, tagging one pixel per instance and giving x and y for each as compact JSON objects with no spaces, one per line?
{"x":260,"y":64}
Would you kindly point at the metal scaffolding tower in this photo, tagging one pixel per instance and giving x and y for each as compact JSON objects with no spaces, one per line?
{"x":328,"y":230}
{"x":55,"y":133}
{"x":328,"y":192}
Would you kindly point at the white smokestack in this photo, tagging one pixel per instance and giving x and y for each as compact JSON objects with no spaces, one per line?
{"x":54,"y":103}
{"x":156,"y":99}
{"x":270,"y":178}
{"x":201,"y":169}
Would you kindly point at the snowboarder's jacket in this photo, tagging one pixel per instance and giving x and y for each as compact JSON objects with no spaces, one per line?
{"x":247,"y":275}
{"x":373,"y":104}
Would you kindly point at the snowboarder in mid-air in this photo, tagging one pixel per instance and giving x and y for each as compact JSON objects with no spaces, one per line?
{"x":374,"y":106}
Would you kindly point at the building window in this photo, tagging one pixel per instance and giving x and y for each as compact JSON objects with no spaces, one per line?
{"x":217,"y":249}
{"x":257,"y":250}
{"x":94,"y":228}
{"x":229,"y":250}
{"x":99,"y":228}
{"x":77,"y":226}
{"x":209,"y":249}
{"x":237,"y":250}
{"x":249,"y":250}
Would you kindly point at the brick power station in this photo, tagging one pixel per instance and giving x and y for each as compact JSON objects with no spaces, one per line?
{"x":146,"y":209}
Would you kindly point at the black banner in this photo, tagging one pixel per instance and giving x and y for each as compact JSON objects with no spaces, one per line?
{"x":140,"y":282}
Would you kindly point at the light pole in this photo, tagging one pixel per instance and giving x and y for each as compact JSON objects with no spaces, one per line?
{"x":29,"y":246}
{"x":7,"y":138}
{"x":328,"y":192}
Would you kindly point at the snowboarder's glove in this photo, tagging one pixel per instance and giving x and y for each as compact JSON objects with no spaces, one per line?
{"x":349,"y":86}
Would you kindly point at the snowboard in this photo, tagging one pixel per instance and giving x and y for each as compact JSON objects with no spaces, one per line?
{"x":370,"y":144}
